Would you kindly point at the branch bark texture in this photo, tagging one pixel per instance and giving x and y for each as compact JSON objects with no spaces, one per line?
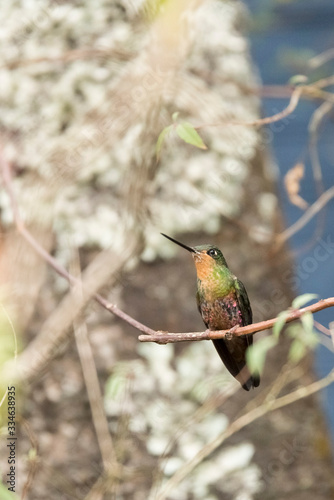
{"x":165,"y":337}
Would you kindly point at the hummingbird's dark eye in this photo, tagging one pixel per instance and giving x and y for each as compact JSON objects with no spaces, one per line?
{"x":212,"y":252}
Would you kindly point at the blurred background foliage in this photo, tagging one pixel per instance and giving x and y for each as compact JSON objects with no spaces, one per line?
{"x":86,"y":88}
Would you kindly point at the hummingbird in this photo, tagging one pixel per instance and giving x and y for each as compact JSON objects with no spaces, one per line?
{"x":223,"y":303}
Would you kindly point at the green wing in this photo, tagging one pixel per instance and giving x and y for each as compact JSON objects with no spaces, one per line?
{"x":243,"y":301}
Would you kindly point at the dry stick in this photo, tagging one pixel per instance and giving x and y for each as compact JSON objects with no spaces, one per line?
{"x":33,"y":461}
{"x":95,"y":397}
{"x":150,"y":334}
{"x":43,"y":348}
{"x":294,"y":99}
{"x":165,"y":338}
{"x":320,"y":59}
{"x":69,"y":56}
{"x":322,"y":328}
{"x":314,"y":125}
{"x":236,"y":426}
{"x":307,"y":216}
{"x":327,"y":339}
{"x":53,"y":262}
{"x":324,"y":82}
{"x":311,"y":91}
{"x":315,"y":122}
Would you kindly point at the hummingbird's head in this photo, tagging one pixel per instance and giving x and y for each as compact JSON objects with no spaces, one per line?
{"x":207,"y":258}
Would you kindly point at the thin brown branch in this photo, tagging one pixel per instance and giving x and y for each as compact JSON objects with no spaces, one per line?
{"x":5,"y":166}
{"x":324,"y":82}
{"x":294,"y":100}
{"x":327,"y":339}
{"x":71,"y":55}
{"x":315,"y":122}
{"x":315,"y":93}
{"x":56,"y":327}
{"x":320,"y":59}
{"x":150,"y":334}
{"x":322,"y":328}
{"x":306,"y":217}
{"x":33,"y":461}
{"x":165,"y":338}
{"x":94,"y":393}
{"x":310,"y":91}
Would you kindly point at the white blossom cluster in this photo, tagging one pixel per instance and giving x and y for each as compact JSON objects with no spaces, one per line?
{"x":48,"y":109}
{"x":170,"y":422}
{"x":72,"y":168}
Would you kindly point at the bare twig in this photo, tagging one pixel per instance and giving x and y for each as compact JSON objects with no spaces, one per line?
{"x":320,"y":59}
{"x":306,"y":217}
{"x":150,"y":334}
{"x":104,"y":439}
{"x":314,"y":125}
{"x":322,"y":328}
{"x":4,"y":165}
{"x":315,"y":122}
{"x":324,"y":82}
{"x":236,"y":426}
{"x":311,"y":91}
{"x":105,"y":266}
{"x":71,"y":55}
{"x":294,"y":100}
{"x":33,"y":460}
{"x":327,"y":339}
{"x":165,"y":338}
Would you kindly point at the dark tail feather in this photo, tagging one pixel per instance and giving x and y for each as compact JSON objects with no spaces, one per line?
{"x":232,"y":353}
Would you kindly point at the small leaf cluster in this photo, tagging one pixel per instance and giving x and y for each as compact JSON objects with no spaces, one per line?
{"x":185,"y":130}
{"x":302,"y":335}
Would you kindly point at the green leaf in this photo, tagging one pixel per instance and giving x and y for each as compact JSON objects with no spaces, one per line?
{"x":175,"y":116}
{"x":256,"y":354}
{"x":304,"y":337}
{"x":279,"y":323}
{"x":5,"y":494}
{"x":296,"y":79}
{"x":116,"y":386}
{"x":303,"y":299}
{"x":307,"y":322}
{"x":32,"y":454}
{"x":297,"y":350}
{"x":309,"y":335}
{"x":188,"y":134}
{"x":161,"y":139}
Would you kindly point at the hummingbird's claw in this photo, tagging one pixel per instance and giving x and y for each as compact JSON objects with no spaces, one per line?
{"x":229,"y":335}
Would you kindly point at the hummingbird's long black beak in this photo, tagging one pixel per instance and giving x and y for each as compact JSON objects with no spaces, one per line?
{"x":178,"y":243}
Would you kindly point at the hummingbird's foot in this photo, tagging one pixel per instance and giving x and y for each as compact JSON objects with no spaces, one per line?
{"x":229,"y":335}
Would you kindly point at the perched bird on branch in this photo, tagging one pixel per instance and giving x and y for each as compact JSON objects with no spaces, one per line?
{"x":223,"y":303}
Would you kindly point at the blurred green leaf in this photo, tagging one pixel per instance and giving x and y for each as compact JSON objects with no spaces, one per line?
{"x":303,"y":299}
{"x":307,"y":322}
{"x":256,"y":354}
{"x":297,"y":351}
{"x":188,"y":134}
{"x":161,"y":139}
{"x":175,"y":116}
{"x":32,"y":454}
{"x":279,"y":324}
{"x":117,"y":385}
{"x":304,"y":337}
{"x":298,"y":79}
{"x":5,"y":494}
